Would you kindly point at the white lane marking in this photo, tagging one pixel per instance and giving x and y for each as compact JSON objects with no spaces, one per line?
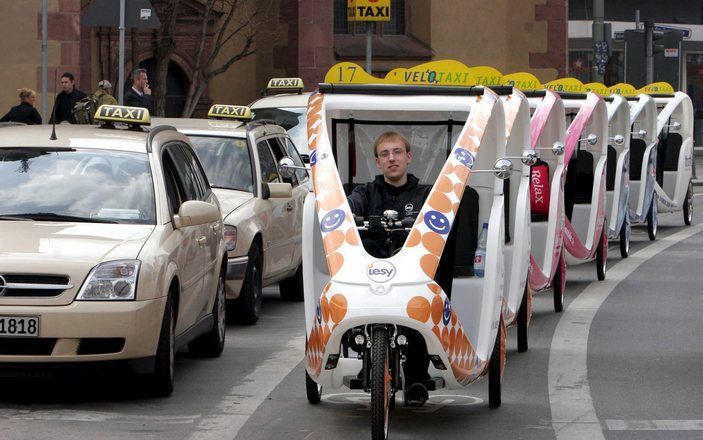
{"x":59,"y":415}
{"x":241,"y":402}
{"x":573,"y":414}
{"x":654,"y":425}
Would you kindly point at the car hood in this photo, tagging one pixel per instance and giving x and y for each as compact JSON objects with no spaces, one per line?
{"x":61,"y":248}
{"x":231,"y":199}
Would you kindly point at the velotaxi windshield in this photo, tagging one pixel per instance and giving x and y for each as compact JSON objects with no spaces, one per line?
{"x":292,"y":119}
{"x":96,"y":186}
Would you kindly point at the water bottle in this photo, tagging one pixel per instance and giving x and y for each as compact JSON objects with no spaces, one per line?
{"x":480,"y":255}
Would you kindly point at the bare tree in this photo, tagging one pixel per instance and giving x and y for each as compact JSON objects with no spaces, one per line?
{"x":233,"y":40}
{"x":165,"y":44}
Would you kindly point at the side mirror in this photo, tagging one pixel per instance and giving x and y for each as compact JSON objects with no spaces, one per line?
{"x":558,"y":149}
{"x":592,"y":139}
{"x":529,"y":157}
{"x":286,"y":167}
{"x":277,"y":191}
{"x":196,"y":212}
{"x":618,"y":139}
{"x":676,"y":126}
{"x":503,"y":168}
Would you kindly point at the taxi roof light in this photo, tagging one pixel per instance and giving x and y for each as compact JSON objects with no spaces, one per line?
{"x":238,"y":112}
{"x":281,"y":84}
{"x":133,"y":116}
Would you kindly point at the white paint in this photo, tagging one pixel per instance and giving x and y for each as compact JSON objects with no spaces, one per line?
{"x":59,"y":415}
{"x":228,"y":417}
{"x":654,"y":425}
{"x":573,"y":414}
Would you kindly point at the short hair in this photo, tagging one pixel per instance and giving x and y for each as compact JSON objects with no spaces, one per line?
{"x":25,"y":93}
{"x":136,"y":72}
{"x":68,"y":75}
{"x":389,"y":136}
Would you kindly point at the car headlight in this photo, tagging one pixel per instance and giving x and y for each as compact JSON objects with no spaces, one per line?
{"x":230,"y":237}
{"x":112,"y":280}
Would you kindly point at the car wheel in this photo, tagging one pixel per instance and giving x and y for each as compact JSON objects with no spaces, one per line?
{"x":161,"y":380}
{"x":312,"y":390}
{"x":688,"y":206}
{"x":292,"y":288}
{"x":212,"y":343}
{"x":248,"y":306}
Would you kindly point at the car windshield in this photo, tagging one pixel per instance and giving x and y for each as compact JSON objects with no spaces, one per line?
{"x":97,"y":186}
{"x":226,"y":161}
{"x":290,"y":118}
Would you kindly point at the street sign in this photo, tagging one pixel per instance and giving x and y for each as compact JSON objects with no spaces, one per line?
{"x":685,"y":32}
{"x":368,"y":10}
{"x":138,"y":14}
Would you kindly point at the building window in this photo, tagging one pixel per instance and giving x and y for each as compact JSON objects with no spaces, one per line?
{"x":581,"y":66}
{"x":394,"y":27}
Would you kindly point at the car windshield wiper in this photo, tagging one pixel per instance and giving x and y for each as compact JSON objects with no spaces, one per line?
{"x":50,"y":216}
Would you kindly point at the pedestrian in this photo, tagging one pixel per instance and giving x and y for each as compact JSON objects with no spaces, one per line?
{"x":25,"y":111}
{"x":66,"y":100}
{"x":103,"y":96}
{"x":140,"y":93}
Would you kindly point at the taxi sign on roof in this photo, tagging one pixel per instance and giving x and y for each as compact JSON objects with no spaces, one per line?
{"x":220,"y":111}
{"x":623,"y":89}
{"x":285,"y":83}
{"x":524,"y":81}
{"x":565,"y":85}
{"x":597,"y":88}
{"x":658,"y":88}
{"x":119,"y":113}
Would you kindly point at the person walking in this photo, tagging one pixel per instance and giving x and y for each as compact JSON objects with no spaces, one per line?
{"x":66,"y":100}
{"x":25,"y":112}
{"x":140,"y":93}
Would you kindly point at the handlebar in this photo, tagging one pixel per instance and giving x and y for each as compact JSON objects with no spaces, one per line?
{"x":383,"y":223}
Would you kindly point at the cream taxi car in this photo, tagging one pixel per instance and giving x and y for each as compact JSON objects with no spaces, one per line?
{"x":111,"y":248}
{"x":262,"y":209}
{"x":287,"y":105}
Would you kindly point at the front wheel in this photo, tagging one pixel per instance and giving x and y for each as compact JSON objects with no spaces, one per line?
{"x":381,"y":387}
{"x":625,"y":239}
{"x":313,"y":390}
{"x":652,"y":220}
{"x":523,"y":319}
{"x":495,"y":368}
{"x":160,"y":382}
{"x":602,"y":255}
{"x":688,"y":206}
{"x":559,"y":284}
{"x":291,"y":289}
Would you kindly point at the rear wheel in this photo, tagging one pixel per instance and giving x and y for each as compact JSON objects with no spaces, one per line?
{"x":247,"y":307}
{"x":625,"y":239}
{"x":688,"y":206}
{"x":559,"y":284}
{"x":652,"y":220}
{"x":212,"y":343}
{"x":313,"y":390}
{"x":291,"y":289}
{"x":381,"y":387}
{"x":602,"y":255}
{"x":523,"y":319}
{"x":495,"y":369}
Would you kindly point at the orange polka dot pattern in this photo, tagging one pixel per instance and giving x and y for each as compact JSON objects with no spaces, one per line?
{"x":434,"y":310}
{"x":330,"y":311}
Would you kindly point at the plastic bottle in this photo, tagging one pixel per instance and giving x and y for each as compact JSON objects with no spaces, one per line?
{"x":480,"y":255}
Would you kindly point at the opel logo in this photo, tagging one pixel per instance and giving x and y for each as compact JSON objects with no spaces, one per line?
{"x":3,"y":285}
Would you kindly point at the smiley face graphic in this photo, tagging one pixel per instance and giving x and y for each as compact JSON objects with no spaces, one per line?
{"x":447,"y":312}
{"x":464,"y":156}
{"x":313,"y":158}
{"x":437,"y":222}
{"x":332,"y":220}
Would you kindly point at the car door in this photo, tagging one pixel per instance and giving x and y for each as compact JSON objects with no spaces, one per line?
{"x":273,"y":215}
{"x":190,"y":253}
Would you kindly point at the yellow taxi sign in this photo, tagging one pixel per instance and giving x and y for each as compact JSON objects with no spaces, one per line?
{"x":623,"y":89}
{"x":658,"y":88}
{"x":523,"y":81}
{"x":597,"y":88}
{"x":120,"y":113}
{"x":220,"y":111}
{"x":368,"y":10}
{"x":285,"y":84}
{"x":565,"y":85}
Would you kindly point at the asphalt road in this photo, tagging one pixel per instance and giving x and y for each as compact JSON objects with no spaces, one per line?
{"x":621,"y":362}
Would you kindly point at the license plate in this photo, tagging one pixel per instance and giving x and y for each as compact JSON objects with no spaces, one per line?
{"x":19,"y":326}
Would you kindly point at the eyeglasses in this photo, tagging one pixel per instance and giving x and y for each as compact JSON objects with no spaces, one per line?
{"x":385,"y":154}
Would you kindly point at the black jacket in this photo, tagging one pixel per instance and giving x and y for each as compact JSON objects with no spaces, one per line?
{"x":377,"y":196}
{"x":134,"y":99}
{"x":63,"y":106}
{"x":24,"y":113}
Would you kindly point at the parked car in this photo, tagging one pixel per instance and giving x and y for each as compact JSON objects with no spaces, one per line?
{"x":111,"y":248}
{"x":262,"y":210}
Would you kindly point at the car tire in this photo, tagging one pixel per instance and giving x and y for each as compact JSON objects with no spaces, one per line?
{"x":247,"y":307}
{"x":212,"y":343}
{"x":160,"y":382}
{"x":291,"y":289}
{"x":602,"y":255}
{"x":688,"y":206}
{"x":652,"y":220}
{"x":625,"y":239}
{"x":312,"y":390}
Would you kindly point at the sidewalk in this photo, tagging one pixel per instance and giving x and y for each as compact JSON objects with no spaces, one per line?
{"x":697,"y":165}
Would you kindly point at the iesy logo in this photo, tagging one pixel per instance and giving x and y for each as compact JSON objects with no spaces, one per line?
{"x":380,"y":271}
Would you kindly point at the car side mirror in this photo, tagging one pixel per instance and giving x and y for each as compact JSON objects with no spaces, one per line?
{"x":196,"y":212}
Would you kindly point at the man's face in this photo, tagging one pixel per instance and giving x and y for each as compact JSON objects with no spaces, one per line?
{"x":392,"y":159}
{"x":66,"y":84}
{"x":141,"y":82}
